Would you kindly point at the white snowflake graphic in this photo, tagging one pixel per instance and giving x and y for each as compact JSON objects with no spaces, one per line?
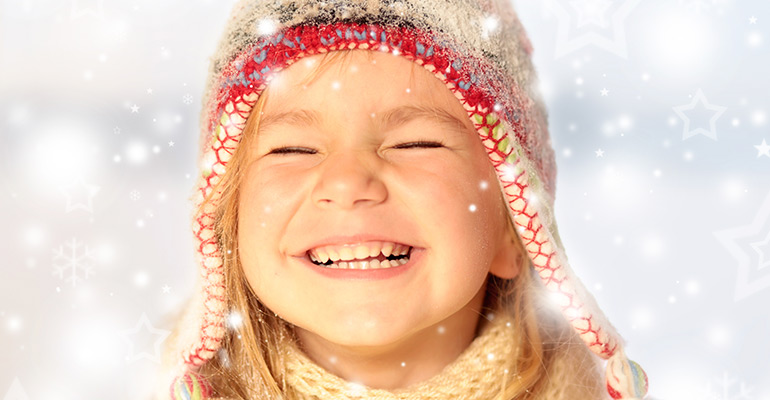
{"x":135,"y":195}
{"x":187,"y":99}
{"x":724,"y":389}
{"x":71,"y":263}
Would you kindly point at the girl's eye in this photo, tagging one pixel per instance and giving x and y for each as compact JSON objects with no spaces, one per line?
{"x":292,"y":150}
{"x":419,"y":144}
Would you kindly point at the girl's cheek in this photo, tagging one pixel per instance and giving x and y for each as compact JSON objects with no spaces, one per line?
{"x":259,"y":195}
{"x":277,"y":179}
{"x":272,"y":198}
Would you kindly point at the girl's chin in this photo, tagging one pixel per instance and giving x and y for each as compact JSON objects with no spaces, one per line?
{"x":356,"y":336}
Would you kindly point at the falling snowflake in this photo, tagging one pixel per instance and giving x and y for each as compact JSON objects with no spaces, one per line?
{"x":72,"y":261}
{"x":187,"y":99}
{"x":725,"y":390}
{"x":267,"y":26}
{"x":135,"y":195}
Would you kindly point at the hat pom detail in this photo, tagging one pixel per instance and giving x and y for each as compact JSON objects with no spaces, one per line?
{"x":190,"y":386}
{"x":625,"y":378}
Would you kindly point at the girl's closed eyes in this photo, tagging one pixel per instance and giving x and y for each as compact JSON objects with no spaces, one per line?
{"x":292,"y":150}
{"x":419,"y":144}
{"x":406,"y":145}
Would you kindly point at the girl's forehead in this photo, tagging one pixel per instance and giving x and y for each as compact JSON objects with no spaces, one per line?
{"x":350,"y":62}
{"x":360,"y":80}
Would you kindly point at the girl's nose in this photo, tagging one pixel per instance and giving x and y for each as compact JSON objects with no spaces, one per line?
{"x":346,"y":182}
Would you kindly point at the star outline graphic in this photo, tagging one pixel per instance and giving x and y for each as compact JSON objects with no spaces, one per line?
{"x":730,"y":238}
{"x":77,"y":11}
{"x":763,"y":149}
{"x":588,"y":15}
{"x":16,"y":391}
{"x":616,"y":45}
{"x":144,"y":325}
{"x":764,"y":258}
{"x":80,"y":185}
{"x":699,"y":98}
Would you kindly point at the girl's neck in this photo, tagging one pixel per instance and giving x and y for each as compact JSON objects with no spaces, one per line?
{"x":414,"y":359}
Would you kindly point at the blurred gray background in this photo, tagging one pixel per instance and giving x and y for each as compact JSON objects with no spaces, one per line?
{"x":659,"y":117}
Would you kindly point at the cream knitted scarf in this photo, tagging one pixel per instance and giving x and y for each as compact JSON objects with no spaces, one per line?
{"x":480,"y":372}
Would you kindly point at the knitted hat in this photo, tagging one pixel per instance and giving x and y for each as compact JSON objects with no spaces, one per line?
{"x":479,"y":50}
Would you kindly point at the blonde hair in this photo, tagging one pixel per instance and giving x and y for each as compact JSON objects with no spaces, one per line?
{"x":249,"y":364}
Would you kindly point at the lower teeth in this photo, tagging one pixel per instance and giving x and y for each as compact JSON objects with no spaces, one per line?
{"x":374,"y":264}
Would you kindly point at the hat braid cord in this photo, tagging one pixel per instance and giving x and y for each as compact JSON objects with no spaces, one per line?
{"x":625,"y":378}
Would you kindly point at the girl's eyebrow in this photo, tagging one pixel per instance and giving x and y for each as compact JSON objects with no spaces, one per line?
{"x":299,"y":117}
{"x":401,"y":115}
{"x":386,"y":120}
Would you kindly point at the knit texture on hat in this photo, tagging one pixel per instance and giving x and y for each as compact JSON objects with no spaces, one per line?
{"x":479,"y":51}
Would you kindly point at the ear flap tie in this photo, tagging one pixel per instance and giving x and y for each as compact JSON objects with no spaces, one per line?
{"x":625,"y":378}
{"x":190,"y":386}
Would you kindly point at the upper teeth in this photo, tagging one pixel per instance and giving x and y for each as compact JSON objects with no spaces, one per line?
{"x":357,"y":251}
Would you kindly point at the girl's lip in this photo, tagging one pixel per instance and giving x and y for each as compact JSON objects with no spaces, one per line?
{"x":365,"y":274}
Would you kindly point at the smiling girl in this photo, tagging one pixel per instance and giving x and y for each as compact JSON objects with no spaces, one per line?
{"x":375,"y":207}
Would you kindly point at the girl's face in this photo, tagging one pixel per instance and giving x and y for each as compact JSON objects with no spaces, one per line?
{"x":338,"y":162}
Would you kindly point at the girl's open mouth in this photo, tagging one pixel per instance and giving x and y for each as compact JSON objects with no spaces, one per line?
{"x":371,"y":255}
{"x":362,"y":255}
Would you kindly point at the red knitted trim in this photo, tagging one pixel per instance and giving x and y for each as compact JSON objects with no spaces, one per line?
{"x":534,"y":236}
{"x":613,"y":393}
